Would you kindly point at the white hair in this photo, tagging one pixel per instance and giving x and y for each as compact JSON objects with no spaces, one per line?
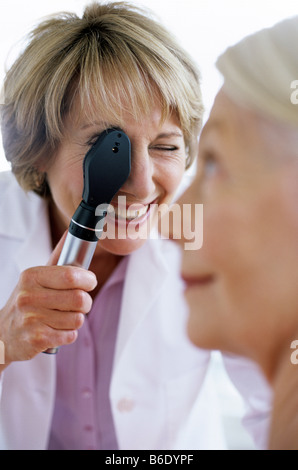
{"x":261,"y":71}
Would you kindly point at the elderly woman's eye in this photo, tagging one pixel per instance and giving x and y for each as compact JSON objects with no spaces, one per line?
{"x":210,"y":164}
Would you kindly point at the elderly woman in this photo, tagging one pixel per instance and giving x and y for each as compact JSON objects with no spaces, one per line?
{"x":245,"y":277}
{"x":130,"y":379}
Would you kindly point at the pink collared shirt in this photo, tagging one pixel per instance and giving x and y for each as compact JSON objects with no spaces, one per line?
{"x":82,"y":416}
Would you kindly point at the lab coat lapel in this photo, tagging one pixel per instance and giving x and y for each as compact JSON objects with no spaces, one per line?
{"x":37,"y":245}
{"x":24,"y":217}
{"x":24,"y":221}
{"x":146,"y":273}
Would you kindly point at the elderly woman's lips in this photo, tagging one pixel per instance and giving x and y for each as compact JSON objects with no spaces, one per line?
{"x":200,"y":281}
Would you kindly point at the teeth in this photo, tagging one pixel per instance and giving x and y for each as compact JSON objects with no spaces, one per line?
{"x":130,"y":214}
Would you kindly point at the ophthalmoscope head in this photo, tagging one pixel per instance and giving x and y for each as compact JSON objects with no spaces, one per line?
{"x":106,"y":167}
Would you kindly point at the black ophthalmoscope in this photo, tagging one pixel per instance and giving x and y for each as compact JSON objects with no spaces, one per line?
{"x":106,"y":167}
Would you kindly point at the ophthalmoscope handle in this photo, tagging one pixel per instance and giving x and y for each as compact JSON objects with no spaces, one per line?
{"x":79,"y":252}
{"x":76,"y":252}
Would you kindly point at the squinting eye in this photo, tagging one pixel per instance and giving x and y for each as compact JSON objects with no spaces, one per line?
{"x":92,"y":141}
{"x":166,"y":148}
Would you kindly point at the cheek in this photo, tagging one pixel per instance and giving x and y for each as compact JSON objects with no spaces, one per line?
{"x":222,"y":235}
{"x":169,"y":174}
{"x":253,"y":249}
{"x":232,"y":251}
{"x":66,"y":184}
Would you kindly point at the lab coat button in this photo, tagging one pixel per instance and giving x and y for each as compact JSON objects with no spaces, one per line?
{"x":125,"y":405}
{"x":87,"y":392}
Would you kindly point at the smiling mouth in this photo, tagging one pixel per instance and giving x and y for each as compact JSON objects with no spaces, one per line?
{"x":131,"y":213}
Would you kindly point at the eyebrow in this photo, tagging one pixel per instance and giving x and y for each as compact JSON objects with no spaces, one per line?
{"x":169,"y":134}
{"x":163,"y":135}
{"x":96,"y":124}
{"x":216,"y":124}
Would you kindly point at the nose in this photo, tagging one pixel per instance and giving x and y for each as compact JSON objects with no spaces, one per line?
{"x":190,"y":225}
{"x":141,"y":181}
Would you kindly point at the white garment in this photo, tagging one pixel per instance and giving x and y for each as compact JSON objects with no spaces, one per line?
{"x":158,"y":396}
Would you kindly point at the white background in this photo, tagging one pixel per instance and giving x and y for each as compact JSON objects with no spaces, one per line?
{"x":205,"y":28}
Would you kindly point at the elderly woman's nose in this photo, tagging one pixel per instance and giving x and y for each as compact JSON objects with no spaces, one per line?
{"x":140,"y":183}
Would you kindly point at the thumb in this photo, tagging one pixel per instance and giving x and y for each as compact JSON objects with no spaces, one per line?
{"x":53,"y":260}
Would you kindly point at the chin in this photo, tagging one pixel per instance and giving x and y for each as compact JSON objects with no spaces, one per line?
{"x":192,"y":334}
{"x":200,"y":332}
{"x":121,"y":247}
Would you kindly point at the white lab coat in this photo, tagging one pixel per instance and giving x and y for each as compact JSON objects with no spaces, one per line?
{"x":158,"y":396}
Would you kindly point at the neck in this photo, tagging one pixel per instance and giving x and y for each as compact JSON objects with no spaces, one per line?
{"x":103,"y":265}
{"x":284,"y":380}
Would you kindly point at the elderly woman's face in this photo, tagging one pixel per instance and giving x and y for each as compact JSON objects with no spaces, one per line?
{"x":158,"y":163}
{"x":243,"y":282}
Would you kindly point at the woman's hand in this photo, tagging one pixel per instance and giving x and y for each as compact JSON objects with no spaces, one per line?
{"x":46,"y":308}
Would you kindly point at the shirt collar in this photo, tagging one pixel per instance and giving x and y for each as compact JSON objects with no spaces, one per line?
{"x":118,"y":275}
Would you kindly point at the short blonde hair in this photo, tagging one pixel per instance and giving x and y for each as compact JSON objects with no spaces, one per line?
{"x":114,"y":50}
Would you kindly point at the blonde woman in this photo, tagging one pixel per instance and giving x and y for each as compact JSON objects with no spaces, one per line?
{"x":245,"y":277}
{"x":129,"y":379}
